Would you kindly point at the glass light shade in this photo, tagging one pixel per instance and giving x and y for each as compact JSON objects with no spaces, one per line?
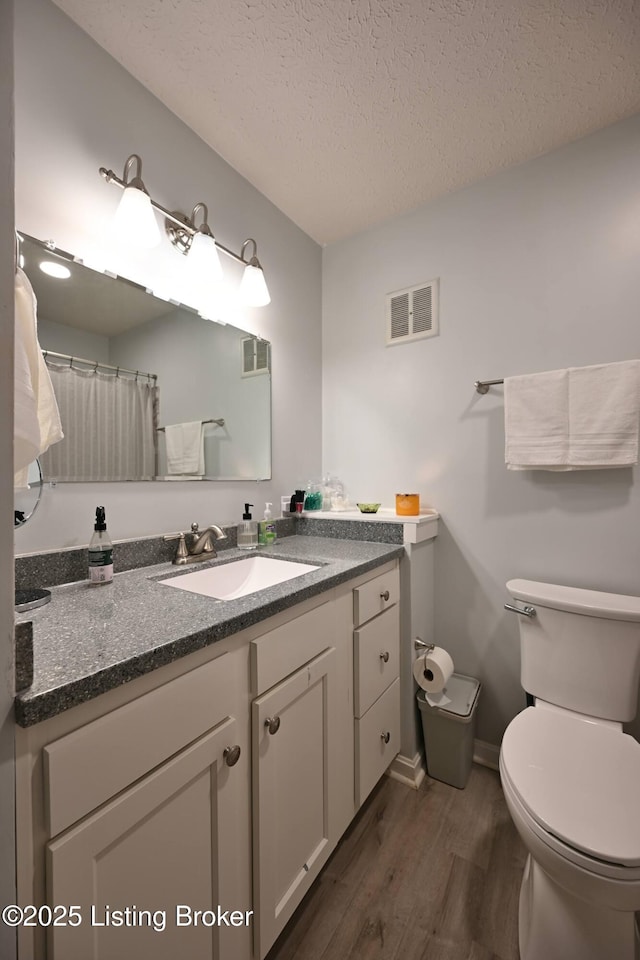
{"x":204,"y":260}
{"x":253,"y":287}
{"x":135,"y":221}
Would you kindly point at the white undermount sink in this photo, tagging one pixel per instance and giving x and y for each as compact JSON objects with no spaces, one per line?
{"x":239,"y":577}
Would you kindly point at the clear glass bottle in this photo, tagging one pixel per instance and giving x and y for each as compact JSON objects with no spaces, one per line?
{"x":100,"y":551}
{"x":247,"y":531}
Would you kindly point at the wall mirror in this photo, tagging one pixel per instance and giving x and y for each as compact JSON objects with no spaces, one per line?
{"x":147,"y":389}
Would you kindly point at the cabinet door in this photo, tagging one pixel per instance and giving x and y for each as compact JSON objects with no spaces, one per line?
{"x":166,"y":841}
{"x":293,"y":757}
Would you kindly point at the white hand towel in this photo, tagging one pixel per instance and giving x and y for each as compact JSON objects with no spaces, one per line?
{"x":185,"y":448}
{"x":36,"y":417}
{"x":581,"y":418}
{"x":604,"y":409}
{"x":536,"y":420}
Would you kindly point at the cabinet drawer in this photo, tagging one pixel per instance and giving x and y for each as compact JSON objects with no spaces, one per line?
{"x":287,"y":648}
{"x":375,"y":596}
{"x":373,"y":753}
{"x":377,"y":655}
{"x":87,"y":767}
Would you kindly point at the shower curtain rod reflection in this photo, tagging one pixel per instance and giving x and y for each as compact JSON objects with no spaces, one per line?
{"x":97,"y":364}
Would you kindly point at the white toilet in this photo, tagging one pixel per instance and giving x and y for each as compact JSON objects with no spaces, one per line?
{"x":571,"y":777}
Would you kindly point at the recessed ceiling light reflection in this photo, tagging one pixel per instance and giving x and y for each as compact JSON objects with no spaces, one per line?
{"x":56,"y":270}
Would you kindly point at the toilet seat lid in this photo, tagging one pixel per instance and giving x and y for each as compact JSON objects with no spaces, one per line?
{"x":579,"y":779}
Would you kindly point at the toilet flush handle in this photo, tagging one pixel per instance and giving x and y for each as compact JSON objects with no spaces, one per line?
{"x":527,"y":611}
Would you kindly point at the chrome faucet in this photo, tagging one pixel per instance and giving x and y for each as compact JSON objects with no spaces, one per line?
{"x":200,"y":545}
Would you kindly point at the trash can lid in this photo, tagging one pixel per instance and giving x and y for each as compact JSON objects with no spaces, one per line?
{"x":460,"y":691}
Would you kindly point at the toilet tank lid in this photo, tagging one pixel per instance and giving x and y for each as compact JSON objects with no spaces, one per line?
{"x":589,"y":603}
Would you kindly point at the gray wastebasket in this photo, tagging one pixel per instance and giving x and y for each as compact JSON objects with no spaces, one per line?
{"x":449,"y":730}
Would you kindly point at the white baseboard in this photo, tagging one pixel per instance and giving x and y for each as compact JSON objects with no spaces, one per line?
{"x":408,"y":771}
{"x":486,"y":754}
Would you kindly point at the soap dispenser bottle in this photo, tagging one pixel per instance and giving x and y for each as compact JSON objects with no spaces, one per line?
{"x":100,"y":551}
{"x":267,"y":533}
{"x":247,"y":530}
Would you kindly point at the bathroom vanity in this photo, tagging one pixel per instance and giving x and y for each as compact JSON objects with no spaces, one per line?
{"x":220,"y":776}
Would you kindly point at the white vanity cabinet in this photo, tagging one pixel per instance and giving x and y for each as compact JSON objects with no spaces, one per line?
{"x":220,"y":782}
{"x":145,"y":820}
{"x":376,"y":648}
{"x":160,"y":844}
{"x":298,"y":779}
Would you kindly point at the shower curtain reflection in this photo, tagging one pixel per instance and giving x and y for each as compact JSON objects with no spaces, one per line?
{"x":109,"y":425}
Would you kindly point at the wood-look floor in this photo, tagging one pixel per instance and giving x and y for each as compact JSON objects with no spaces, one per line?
{"x":428,"y":874}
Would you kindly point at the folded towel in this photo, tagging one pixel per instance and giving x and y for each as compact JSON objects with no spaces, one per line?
{"x":581,"y":418}
{"x":536,"y":419}
{"x":36,"y":417}
{"x":185,"y":448}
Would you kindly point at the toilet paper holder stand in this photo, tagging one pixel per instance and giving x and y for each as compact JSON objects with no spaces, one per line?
{"x":421,"y":645}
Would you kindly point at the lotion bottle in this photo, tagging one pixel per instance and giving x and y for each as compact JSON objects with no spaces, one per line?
{"x":100,"y":551}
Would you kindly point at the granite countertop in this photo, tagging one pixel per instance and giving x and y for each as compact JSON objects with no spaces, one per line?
{"x":88,"y":640}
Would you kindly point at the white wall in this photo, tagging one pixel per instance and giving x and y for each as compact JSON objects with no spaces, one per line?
{"x":71,"y":340}
{"x":539,"y":269}
{"x":77,"y":110}
{"x":7,"y":252}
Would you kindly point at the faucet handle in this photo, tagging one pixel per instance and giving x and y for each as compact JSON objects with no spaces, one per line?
{"x":181,"y":552}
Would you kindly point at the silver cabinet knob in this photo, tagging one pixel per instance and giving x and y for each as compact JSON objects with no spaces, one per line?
{"x":386,"y":736}
{"x":384,"y":596}
{"x":385,"y":656}
{"x":272,"y":724}
{"x":231,"y":755}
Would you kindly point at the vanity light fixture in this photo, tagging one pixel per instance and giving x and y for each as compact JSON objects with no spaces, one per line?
{"x":253,"y":287}
{"x":135,"y":221}
{"x":197,"y":242}
{"x":202,"y":255}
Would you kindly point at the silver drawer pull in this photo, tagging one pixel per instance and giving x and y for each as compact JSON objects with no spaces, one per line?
{"x":526,"y":611}
{"x":231,"y":755}
{"x":386,"y":736}
{"x":272,"y":724}
{"x":384,"y":596}
{"x":385,"y":656}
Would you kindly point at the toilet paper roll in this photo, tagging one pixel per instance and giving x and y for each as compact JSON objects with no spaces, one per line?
{"x":432,"y":670}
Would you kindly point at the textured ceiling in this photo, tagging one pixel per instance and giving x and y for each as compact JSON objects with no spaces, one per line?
{"x":347,"y":112}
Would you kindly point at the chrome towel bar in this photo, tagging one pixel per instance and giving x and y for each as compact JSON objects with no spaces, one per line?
{"x":482,"y":386}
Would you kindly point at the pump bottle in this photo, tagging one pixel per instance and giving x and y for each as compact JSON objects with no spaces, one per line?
{"x":247,"y":531}
{"x":100,"y":551}
{"x":267,"y":533}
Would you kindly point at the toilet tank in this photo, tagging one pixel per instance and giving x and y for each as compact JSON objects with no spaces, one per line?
{"x":581,"y":650}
